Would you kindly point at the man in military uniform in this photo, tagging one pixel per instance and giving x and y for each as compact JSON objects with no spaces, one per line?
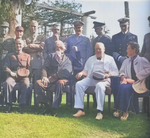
{"x":120,"y":41}
{"x":102,"y":37}
{"x":57,"y":70}
{"x":50,"y":44}
{"x":146,"y":53}
{"x":81,"y":43}
{"x":7,"y":45}
{"x":79,"y":49}
{"x":146,"y":45}
{"x":13,"y":62}
{"x":19,"y":31}
{"x":35,"y":45}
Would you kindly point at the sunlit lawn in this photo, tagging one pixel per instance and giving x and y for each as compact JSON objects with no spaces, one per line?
{"x":32,"y":125}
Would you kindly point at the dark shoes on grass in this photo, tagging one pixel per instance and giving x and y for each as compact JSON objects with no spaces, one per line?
{"x":8,"y":108}
{"x":21,"y":108}
{"x":49,"y":110}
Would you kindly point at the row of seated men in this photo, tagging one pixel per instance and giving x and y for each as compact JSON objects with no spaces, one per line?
{"x":58,"y":68}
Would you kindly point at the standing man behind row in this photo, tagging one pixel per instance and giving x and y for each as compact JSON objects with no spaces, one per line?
{"x":78,"y":43}
{"x":7,"y":45}
{"x":35,"y":45}
{"x":50,"y":44}
{"x":102,"y":37}
{"x":35,"y":48}
{"x":146,"y":45}
{"x":121,"y":40}
{"x":19,"y":31}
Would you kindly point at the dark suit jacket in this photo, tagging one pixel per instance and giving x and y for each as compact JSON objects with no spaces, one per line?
{"x":6,"y":47}
{"x":57,"y":69}
{"x":146,"y":47}
{"x":120,"y":42}
{"x":49,"y":46}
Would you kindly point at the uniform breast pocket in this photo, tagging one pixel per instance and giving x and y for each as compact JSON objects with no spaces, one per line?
{"x":82,"y":48}
{"x":83,"y":45}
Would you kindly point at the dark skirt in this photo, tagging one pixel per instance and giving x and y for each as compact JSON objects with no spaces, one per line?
{"x":127,"y":99}
{"x":124,"y":96}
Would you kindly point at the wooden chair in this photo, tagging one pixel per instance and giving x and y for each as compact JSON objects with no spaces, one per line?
{"x":90,"y":91}
{"x":68,"y":89}
{"x":16,"y":95}
{"x":146,"y":102}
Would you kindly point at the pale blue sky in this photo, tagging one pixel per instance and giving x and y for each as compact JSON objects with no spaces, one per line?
{"x":109,"y":11}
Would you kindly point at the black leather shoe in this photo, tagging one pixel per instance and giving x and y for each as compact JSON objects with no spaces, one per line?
{"x":54,"y":114}
{"x":47,"y":111}
{"x":21,"y":109}
{"x":8,"y":109}
{"x":44,"y":112}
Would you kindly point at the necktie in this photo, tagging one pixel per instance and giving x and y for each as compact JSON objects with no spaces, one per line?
{"x":133,"y":74}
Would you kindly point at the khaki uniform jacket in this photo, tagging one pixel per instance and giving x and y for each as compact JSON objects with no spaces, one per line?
{"x":36,"y":53}
{"x":13,"y":64}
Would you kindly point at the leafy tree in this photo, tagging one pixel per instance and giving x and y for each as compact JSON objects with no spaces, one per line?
{"x":29,"y":13}
{"x":42,"y":15}
{"x":9,"y":9}
{"x":50,"y":16}
{"x":6,"y":13}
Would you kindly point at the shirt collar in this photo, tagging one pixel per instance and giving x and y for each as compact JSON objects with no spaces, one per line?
{"x":78,"y":36}
{"x":125,"y":32}
{"x":134,"y":57}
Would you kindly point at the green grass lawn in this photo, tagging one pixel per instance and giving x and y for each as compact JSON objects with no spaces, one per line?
{"x":32,"y":125}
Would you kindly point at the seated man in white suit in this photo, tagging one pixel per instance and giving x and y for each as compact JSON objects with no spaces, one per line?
{"x":98,"y":69}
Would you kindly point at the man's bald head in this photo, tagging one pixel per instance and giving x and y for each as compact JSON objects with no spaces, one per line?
{"x":34,"y":22}
{"x":60,"y":45}
{"x":99,"y":49}
{"x":60,"y":48}
{"x":19,"y":44}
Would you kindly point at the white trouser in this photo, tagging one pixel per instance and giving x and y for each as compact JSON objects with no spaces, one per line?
{"x":100,"y":93}
{"x":81,"y":87}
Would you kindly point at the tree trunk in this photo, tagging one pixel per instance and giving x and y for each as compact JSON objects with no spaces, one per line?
{"x":16,"y":7}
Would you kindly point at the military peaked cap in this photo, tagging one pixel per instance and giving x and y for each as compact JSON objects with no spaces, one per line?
{"x":78,"y":23}
{"x":123,"y":21}
{"x":19,"y":28}
{"x":98,"y":24}
{"x":5,"y":24}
